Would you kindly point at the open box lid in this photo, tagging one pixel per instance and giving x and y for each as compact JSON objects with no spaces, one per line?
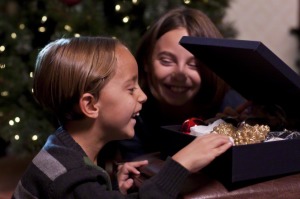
{"x":250,"y":68}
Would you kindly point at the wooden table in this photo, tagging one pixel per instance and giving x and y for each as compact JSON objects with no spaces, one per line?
{"x":11,"y":170}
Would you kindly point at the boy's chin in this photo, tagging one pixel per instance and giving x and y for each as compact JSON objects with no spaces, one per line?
{"x":128,"y":135}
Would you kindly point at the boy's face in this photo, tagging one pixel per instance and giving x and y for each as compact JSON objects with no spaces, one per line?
{"x":121,"y":98}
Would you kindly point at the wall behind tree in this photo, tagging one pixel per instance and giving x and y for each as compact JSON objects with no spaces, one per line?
{"x":268,"y":21}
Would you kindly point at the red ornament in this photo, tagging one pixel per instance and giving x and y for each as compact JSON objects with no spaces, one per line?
{"x":70,"y":2}
{"x":187,"y":124}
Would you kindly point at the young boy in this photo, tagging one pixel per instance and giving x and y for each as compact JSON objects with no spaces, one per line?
{"x":91,"y":84}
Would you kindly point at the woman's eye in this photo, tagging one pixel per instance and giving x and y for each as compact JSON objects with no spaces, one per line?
{"x":166,"y":62}
{"x":193,"y":64}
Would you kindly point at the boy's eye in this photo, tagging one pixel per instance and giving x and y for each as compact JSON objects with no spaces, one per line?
{"x":131,"y":90}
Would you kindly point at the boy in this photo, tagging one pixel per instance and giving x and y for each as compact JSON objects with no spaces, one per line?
{"x":91,"y":85}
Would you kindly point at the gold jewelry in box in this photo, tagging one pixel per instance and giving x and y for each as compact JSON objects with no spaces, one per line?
{"x":244,"y":134}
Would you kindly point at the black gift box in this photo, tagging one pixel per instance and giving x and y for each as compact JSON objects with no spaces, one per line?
{"x":243,"y":164}
{"x":260,"y":76}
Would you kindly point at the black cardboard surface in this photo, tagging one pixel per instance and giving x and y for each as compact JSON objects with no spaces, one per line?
{"x":250,"y":68}
{"x":244,"y":163}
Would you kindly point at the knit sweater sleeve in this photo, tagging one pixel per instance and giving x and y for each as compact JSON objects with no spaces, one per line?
{"x":166,"y":183}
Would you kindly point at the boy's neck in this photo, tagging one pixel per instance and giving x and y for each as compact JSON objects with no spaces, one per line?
{"x":87,"y":137}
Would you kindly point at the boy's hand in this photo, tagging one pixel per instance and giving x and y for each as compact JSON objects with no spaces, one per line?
{"x":202,"y":150}
{"x":124,"y":174}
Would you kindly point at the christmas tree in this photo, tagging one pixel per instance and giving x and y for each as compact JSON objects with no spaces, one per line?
{"x":27,"y":26}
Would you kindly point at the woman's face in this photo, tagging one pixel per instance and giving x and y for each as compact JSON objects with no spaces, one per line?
{"x":174,"y":74}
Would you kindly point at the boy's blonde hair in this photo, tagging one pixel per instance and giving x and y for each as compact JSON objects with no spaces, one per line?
{"x":67,"y":68}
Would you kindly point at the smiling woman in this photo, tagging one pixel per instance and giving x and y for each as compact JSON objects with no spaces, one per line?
{"x":178,"y":85}
{"x":174,"y":78}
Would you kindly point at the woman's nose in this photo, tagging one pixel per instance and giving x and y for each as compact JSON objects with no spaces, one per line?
{"x":179,"y":73}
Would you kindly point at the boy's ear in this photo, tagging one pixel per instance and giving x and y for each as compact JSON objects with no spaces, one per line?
{"x":88,"y":106}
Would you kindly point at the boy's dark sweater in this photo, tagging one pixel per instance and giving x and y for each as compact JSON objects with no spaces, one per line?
{"x":63,"y":170}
